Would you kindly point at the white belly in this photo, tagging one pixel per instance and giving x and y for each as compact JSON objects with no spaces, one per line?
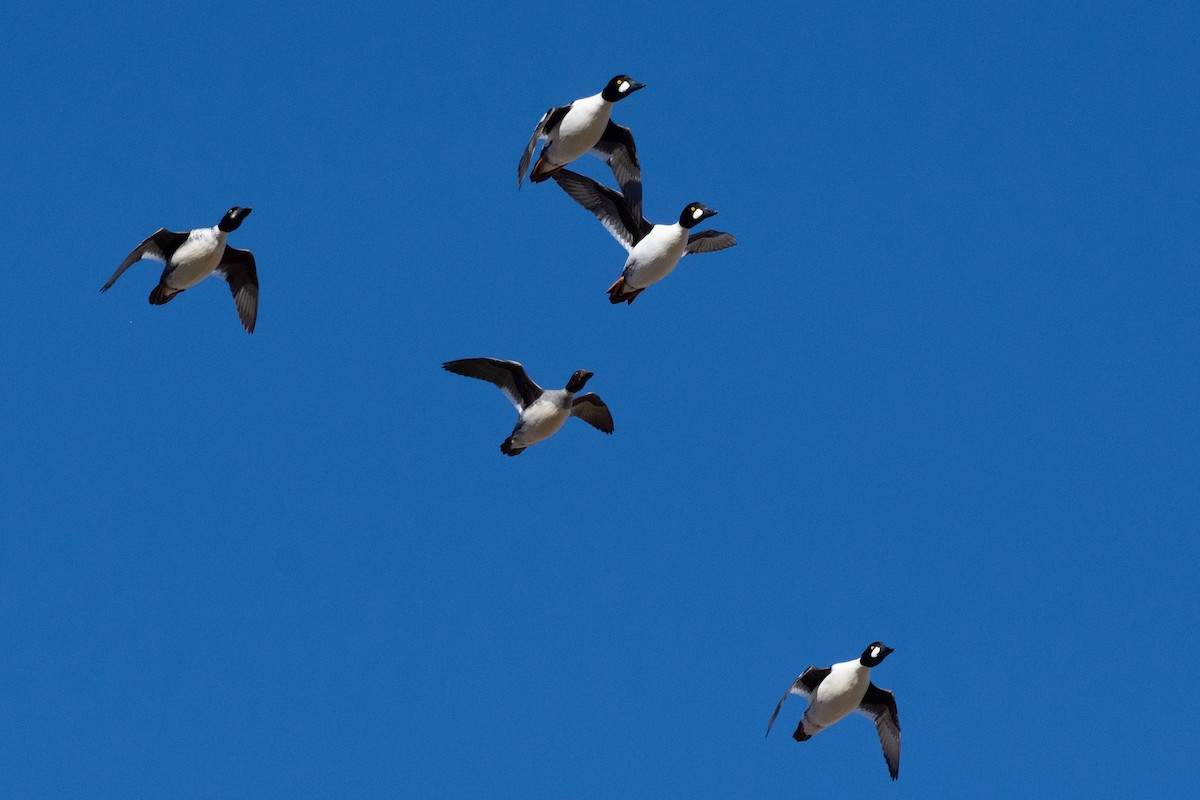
{"x":654,"y":257}
{"x":838,"y":695}
{"x":195,"y":260}
{"x":540,"y":421}
{"x":580,"y":129}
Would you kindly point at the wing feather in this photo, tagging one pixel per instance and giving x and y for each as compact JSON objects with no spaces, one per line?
{"x":879,"y":705}
{"x":804,"y":685}
{"x":510,"y":376}
{"x":592,"y":410}
{"x":617,"y":149}
{"x":546,"y":124}
{"x":237,"y":267}
{"x":709,"y":241}
{"x":155,"y":247}
{"x":608,"y":205}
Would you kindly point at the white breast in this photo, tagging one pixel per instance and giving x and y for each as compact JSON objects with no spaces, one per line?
{"x":839,"y":694}
{"x":580,"y":129}
{"x":655,"y":256}
{"x":196,"y":258}
{"x":543,"y":418}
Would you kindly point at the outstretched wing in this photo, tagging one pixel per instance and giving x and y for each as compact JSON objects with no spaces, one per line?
{"x":237,"y":267}
{"x":591,"y":409}
{"x":617,"y":149}
{"x":155,"y":247}
{"x":879,"y":705}
{"x":508,"y":375}
{"x":609,"y":207}
{"x":547,"y":123}
{"x":805,"y":685}
{"x":708,"y":241}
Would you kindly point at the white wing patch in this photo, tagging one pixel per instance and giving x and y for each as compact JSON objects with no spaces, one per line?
{"x":618,"y":232}
{"x":513,"y":397}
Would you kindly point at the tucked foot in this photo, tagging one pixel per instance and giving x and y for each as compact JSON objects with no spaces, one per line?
{"x":161,"y":295}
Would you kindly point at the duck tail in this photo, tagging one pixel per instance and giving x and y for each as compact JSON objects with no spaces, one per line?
{"x":161,"y":295}
{"x":543,"y":169}
{"x":617,"y":293}
{"x":800,"y":735}
{"x":507,"y":448}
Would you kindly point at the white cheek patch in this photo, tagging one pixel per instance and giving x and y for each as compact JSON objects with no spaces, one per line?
{"x":623,"y":86}
{"x":874,"y":652}
{"x":697,"y":214}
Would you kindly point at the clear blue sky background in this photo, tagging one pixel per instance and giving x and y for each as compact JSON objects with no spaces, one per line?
{"x":943,"y":393}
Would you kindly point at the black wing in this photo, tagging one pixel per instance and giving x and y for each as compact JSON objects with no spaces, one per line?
{"x":508,"y":375}
{"x":880,"y":706}
{"x":237,"y":266}
{"x":591,"y":409}
{"x":609,"y":207}
{"x":547,"y":123}
{"x":617,"y":149}
{"x":156,"y":247}
{"x":805,"y":685}
{"x":709,"y":241}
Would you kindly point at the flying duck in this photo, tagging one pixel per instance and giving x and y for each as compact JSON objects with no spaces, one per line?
{"x":193,"y":256}
{"x":654,"y":250}
{"x":582,"y":126}
{"x":836,"y":691}
{"x":542,"y":411}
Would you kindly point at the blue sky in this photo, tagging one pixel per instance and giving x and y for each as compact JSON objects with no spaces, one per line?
{"x":943,"y":393}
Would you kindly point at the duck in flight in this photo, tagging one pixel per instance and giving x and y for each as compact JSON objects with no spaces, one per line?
{"x":541,"y":411}
{"x":836,"y":691}
{"x":583,"y":126}
{"x":192,"y":256}
{"x":654,"y":250}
